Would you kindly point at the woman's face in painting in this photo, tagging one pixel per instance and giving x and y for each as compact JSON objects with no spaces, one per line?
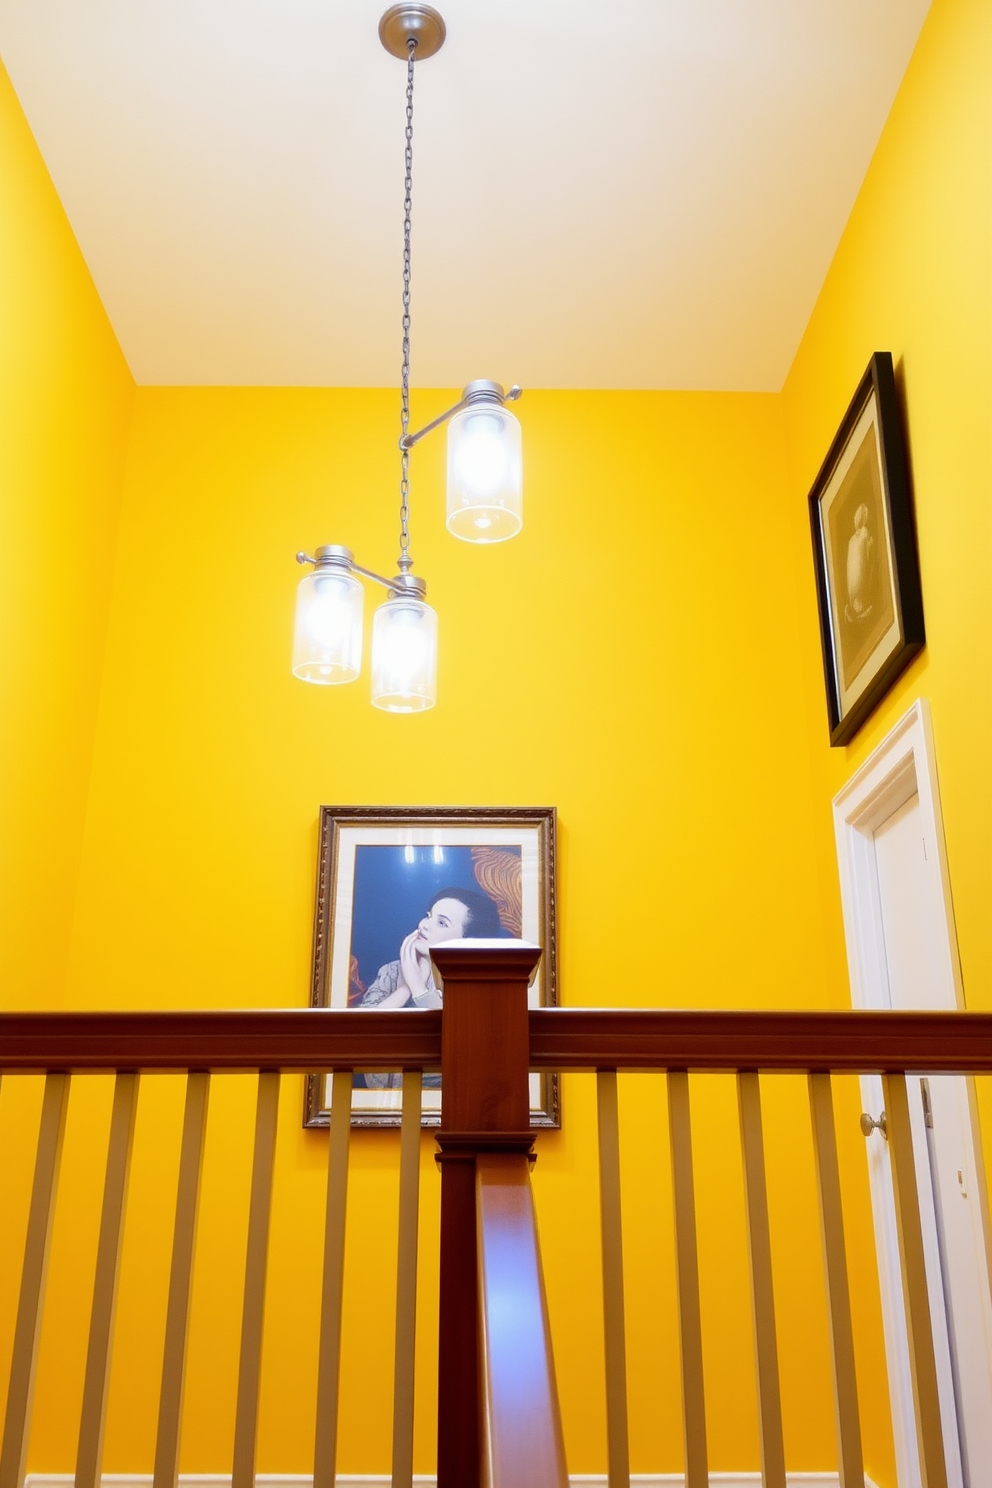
{"x":445,"y":920}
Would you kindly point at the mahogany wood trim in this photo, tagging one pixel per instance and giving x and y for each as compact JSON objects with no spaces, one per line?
{"x":511,"y":962}
{"x":458,"y":1145}
{"x":560,"y":1039}
{"x":485,"y":1037}
{"x":853,"y":1040}
{"x":459,"y":1441}
{"x":524,"y":1446}
{"x":484,"y":1054}
{"x":271,"y":1039}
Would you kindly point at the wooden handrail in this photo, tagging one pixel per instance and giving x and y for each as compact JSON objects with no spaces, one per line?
{"x":522,"y":1422}
{"x":283,"y":1039}
{"x":560,"y":1039}
{"x":863,"y":1042}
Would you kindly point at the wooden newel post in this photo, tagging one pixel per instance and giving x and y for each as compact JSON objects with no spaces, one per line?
{"x":485,"y":1107}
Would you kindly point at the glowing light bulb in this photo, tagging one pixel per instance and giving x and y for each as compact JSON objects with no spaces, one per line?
{"x":327,"y":643}
{"x":404,"y":656}
{"x":485,"y":481}
{"x":482,"y":455}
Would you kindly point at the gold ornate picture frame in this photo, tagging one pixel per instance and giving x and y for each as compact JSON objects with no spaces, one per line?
{"x":392,"y":881}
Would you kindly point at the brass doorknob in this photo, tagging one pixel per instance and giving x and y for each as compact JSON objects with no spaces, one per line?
{"x":869,"y":1124}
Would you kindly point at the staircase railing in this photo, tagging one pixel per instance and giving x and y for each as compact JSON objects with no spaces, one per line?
{"x":498,"y":1415}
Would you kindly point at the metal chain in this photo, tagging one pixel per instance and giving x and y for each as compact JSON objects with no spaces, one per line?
{"x":405,"y":560}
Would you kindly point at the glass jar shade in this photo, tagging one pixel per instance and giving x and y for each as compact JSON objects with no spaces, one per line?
{"x":404,"y":656}
{"x":327,"y":643}
{"x":485,"y":474}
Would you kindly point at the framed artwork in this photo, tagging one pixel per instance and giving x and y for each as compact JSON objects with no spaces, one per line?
{"x":392,"y":882}
{"x":864,"y":551}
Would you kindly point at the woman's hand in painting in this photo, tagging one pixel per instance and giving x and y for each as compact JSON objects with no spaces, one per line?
{"x":415,"y":964}
{"x":451,"y":914}
{"x":414,"y":974}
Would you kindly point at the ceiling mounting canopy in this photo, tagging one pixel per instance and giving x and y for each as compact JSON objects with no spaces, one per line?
{"x":421,"y":22}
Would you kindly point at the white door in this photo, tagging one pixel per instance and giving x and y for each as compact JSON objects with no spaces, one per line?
{"x":903,"y":954}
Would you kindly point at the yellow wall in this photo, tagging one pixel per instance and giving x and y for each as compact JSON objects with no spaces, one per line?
{"x":911,"y":276}
{"x":662,"y":712}
{"x":626,"y":659}
{"x":645,"y":657}
{"x":65,"y":403}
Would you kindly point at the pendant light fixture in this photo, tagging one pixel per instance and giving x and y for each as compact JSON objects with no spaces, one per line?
{"x":484,"y":489}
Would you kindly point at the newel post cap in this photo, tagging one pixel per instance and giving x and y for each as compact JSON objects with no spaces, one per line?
{"x":486,"y":960}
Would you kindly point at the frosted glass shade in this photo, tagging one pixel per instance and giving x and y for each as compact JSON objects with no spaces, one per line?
{"x":404,"y":656}
{"x":485,"y":474}
{"x":327,"y":642}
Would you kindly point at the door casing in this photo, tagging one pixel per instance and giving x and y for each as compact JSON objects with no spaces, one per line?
{"x":900,"y":768}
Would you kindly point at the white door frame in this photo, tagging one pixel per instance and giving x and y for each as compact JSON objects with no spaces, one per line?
{"x":901,"y":767}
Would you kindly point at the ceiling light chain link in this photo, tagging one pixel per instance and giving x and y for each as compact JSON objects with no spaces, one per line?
{"x":405,"y":560}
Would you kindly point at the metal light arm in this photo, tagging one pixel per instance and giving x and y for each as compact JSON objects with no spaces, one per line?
{"x":331,"y":557}
{"x":327,"y":643}
{"x":476,"y":393}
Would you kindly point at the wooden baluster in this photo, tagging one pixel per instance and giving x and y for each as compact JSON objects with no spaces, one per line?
{"x":524,"y":1434}
{"x":923,"y":1367}
{"x":108,"y":1258}
{"x":406,"y":1282}
{"x":485,"y":1107}
{"x":687,"y":1271}
{"x":762,"y":1296}
{"x":166,"y":1473}
{"x":33,"y":1275}
{"x":332,"y":1289}
{"x":256,"y":1257}
{"x":851,"y":1460}
{"x":617,"y":1448}
{"x":459,"y":1434}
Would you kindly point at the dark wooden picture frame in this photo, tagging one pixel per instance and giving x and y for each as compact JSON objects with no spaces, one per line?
{"x":382,"y":871}
{"x":865,"y":555}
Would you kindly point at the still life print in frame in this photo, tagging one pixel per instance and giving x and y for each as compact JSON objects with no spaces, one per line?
{"x":864,"y":550}
{"x":394,"y":881}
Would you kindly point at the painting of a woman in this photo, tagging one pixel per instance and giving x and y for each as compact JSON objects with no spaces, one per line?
{"x":408,"y":982}
{"x":393,"y":883}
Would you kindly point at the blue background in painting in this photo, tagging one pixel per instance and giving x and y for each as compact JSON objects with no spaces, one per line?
{"x":392,"y":894}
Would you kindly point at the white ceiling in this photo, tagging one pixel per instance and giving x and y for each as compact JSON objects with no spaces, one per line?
{"x":639,"y":194}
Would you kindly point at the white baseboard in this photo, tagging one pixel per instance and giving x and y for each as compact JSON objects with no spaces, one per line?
{"x":381,"y":1480}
